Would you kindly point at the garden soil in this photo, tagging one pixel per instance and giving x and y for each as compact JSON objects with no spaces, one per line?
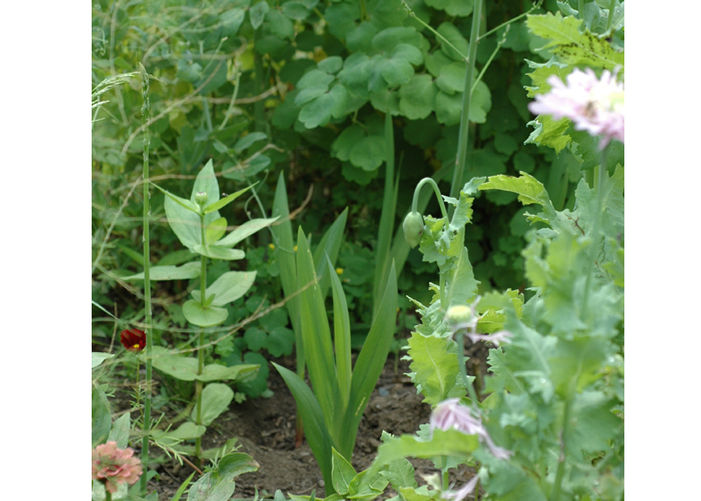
{"x":265,"y":428}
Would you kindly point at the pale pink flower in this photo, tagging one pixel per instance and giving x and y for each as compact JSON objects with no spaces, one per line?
{"x":594,"y":105}
{"x":463,"y":492}
{"x":113,"y":466}
{"x":452,"y":415}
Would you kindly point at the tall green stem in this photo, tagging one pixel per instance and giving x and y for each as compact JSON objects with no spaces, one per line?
{"x":559,"y":475}
{"x":463,"y":135}
{"x":147,"y":279}
{"x":200,"y":343}
{"x":600,"y":187}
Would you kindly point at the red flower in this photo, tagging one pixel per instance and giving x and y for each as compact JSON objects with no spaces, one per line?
{"x":133,"y":339}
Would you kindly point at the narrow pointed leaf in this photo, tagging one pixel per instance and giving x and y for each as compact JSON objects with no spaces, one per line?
{"x":314,"y":425}
{"x":169,"y":272}
{"x":341,"y":335}
{"x":226,"y":200}
{"x":370,"y":362}
{"x":316,"y":335}
{"x":330,"y":245}
{"x":245,"y":230}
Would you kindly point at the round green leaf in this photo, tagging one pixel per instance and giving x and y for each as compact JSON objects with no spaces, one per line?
{"x":216,"y":398}
{"x":317,"y":112}
{"x":417,"y":97}
{"x":331,"y":64}
{"x":368,"y":153}
{"x":203,"y":317}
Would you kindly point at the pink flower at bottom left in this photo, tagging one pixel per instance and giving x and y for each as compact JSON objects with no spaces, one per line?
{"x":113,"y":466}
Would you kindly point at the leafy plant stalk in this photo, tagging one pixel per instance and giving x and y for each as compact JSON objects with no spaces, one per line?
{"x":464,"y":132}
{"x":147,"y":280}
{"x":200,"y":343}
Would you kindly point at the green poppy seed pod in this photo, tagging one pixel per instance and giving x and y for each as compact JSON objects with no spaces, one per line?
{"x":201,"y":198}
{"x":413,"y":226}
{"x":458,"y":315}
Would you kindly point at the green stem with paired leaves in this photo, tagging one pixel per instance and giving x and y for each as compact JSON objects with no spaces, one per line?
{"x":147,"y":280}
{"x":200,"y":341}
{"x":463,"y":135}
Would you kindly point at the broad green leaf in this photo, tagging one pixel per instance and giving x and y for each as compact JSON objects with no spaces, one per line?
{"x":120,"y":431}
{"x":225,"y":201}
{"x":442,"y":443}
{"x":203,"y":317}
{"x":177,"y":366}
{"x":183,"y":220}
{"x":101,"y":417}
{"x":318,"y":111}
{"x":331,"y":64}
{"x":216,"y":398}
{"x":368,"y":153}
{"x":549,"y":132}
{"x":315,"y":429}
{"x":187,"y":430}
{"x":170,"y":272}
{"x":228,"y":287}
{"x":387,"y":39}
{"x":99,"y":357}
{"x":295,"y":10}
{"x":342,"y":473}
{"x":452,"y":34}
{"x":216,"y":372}
{"x":219,"y":252}
{"x":346,"y":140}
{"x":257,"y":13}
{"x":245,"y":230}
{"x":206,"y":181}
{"x":215,"y":230}
{"x":417,"y":97}
{"x":231,"y":20}
{"x":396,"y":71}
{"x":434,"y":368}
{"x":461,"y":284}
{"x":218,"y":484}
{"x":528,"y":188}
{"x":451,"y":78}
{"x":493,"y":306}
{"x":461,"y":8}
{"x":248,"y":140}
{"x":571,"y":45}
{"x":312,"y":85}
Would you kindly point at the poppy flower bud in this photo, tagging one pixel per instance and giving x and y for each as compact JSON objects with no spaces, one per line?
{"x":201,"y":198}
{"x":133,"y":339}
{"x":413,"y":226}
{"x":458,"y":315}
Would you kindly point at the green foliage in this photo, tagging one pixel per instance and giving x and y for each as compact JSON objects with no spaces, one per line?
{"x":331,"y":411}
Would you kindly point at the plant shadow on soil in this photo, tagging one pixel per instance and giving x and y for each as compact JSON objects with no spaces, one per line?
{"x":265,"y":429}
